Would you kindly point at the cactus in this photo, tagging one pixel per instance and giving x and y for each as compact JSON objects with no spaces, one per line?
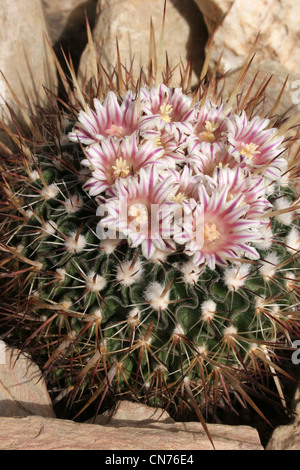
{"x":150,"y":246}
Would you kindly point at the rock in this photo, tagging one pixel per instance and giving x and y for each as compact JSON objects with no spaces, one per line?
{"x":35,"y":432}
{"x":214,"y":11}
{"x":127,"y":411}
{"x":22,"y":390}
{"x":287,"y":437}
{"x":66,"y":23}
{"x":129,"y":20}
{"x":261,"y":71}
{"x":64,"y":17}
{"x":25,"y":60}
{"x":239,"y":22}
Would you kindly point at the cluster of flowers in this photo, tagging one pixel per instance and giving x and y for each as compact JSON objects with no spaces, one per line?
{"x":169,"y":173}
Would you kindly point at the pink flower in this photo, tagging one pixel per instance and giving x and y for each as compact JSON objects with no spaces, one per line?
{"x":251,"y":186}
{"x":107,"y":119}
{"x":215,"y":230}
{"x":205,"y":157}
{"x":186,"y":184}
{"x":172,"y":146}
{"x":259,"y":147}
{"x":113,"y":159}
{"x":141,"y":213}
{"x":168,"y":109}
{"x":211,"y":123}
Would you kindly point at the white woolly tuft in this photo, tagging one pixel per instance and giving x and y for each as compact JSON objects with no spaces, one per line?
{"x":236,"y":276}
{"x":75,"y":243}
{"x":159,"y":256}
{"x":269,"y":266}
{"x":73,"y":204}
{"x":133,"y":316}
{"x":97,"y":314}
{"x":293,"y":240}
{"x":60,"y":274}
{"x":287,"y":217}
{"x":260,"y":303}
{"x":128,"y":274}
{"x":230,"y":331}
{"x":109,"y":245}
{"x":95,"y":282}
{"x":34,"y":175}
{"x":190,"y":272}
{"x":290,"y":282}
{"x":178,"y":330}
{"x":49,"y":227}
{"x":208,"y":309}
{"x":267,"y":238}
{"x":153,"y":295}
{"x":50,"y":192}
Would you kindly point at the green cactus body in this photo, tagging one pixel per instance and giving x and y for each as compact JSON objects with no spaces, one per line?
{"x":101,"y":317}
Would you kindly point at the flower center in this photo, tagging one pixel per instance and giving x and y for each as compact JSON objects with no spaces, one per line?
{"x":165,"y":111}
{"x":121,"y":169}
{"x":210,"y":128}
{"x":211,"y":233}
{"x":158,"y":142}
{"x":179,"y":197}
{"x":138,"y":213}
{"x":250,"y":150}
{"x":116,"y":131}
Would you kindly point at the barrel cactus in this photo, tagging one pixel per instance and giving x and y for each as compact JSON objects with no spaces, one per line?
{"x":150,"y":246}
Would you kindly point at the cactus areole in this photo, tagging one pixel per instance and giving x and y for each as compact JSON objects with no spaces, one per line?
{"x":150,"y":248}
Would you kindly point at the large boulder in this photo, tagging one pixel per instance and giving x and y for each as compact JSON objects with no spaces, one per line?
{"x":129,"y":21}
{"x":238,"y":22}
{"x":132,"y":427}
{"x":26,"y":61}
{"x":66,"y":24}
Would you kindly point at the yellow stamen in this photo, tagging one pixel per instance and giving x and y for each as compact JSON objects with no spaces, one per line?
{"x":165,"y":111}
{"x":157,"y":142}
{"x":139,"y":213}
{"x":211,"y":233}
{"x":210,"y":129}
{"x":116,"y":131}
{"x":250,"y":150}
{"x":121,"y":169}
{"x":179,"y":198}
{"x":222,"y":166}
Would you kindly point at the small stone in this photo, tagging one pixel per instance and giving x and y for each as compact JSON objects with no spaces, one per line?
{"x":22,"y":390}
{"x":287,"y":437}
{"x":127,"y":411}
